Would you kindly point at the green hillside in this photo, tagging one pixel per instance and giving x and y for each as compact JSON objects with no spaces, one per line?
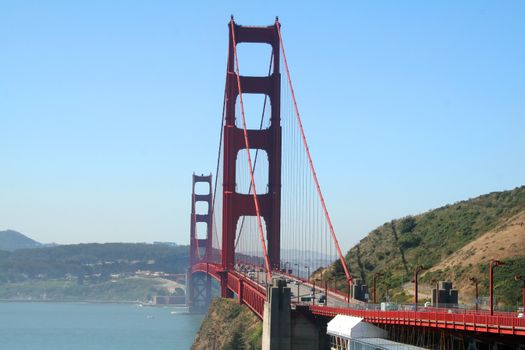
{"x":88,"y":271}
{"x":90,"y":259}
{"x":396,"y":248}
{"x":11,"y":240}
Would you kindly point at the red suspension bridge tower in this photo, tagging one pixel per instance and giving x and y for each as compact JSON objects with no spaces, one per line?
{"x":267,"y":205}
{"x":199,"y":288}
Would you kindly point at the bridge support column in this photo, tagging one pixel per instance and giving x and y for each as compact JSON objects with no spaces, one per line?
{"x":277,"y":317}
{"x":241,"y":289}
{"x":199,"y":292}
{"x":308,"y":331}
{"x":225,"y":292}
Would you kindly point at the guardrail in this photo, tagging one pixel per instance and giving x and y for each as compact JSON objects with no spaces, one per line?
{"x":443,"y":308}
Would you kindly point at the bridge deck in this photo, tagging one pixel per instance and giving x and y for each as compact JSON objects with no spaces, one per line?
{"x":253,"y":295}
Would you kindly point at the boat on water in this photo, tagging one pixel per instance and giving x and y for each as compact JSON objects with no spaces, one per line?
{"x":177,"y":310}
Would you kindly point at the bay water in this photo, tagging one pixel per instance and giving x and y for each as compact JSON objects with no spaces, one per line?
{"x":90,"y":326}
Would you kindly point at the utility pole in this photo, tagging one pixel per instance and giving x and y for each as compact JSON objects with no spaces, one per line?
{"x":376,"y":275}
{"x":521,"y":278}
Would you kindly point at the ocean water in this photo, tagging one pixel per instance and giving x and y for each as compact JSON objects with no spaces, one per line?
{"x":84,"y":326}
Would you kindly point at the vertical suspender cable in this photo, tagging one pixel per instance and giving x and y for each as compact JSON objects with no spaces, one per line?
{"x":321,"y":198}
{"x":219,"y":160}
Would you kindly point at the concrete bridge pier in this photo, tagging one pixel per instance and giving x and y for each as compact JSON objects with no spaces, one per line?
{"x":277,"y":317}
{"x":308,"y":330}
{"x":287,"y":329}
{"x":198,"y":291}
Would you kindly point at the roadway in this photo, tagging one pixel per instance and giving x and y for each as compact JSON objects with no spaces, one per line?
{"x":302,"y":292}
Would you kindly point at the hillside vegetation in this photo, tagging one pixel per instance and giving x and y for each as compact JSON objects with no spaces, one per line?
{"x":229,"y":326}
{"x":89,"y":260}
{"x":90,"y":271}
{"x":454,"y":242}
{"x":129,"y":289}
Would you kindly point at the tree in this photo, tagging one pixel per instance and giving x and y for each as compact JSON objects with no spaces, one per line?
{"x":237,"y":342}
{"x":407,"y":224}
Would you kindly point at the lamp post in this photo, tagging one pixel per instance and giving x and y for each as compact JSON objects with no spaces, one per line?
{"x":416,"y":273}
{"x":308,"y":269}
{"x":348,"y":286}
{"x":377,"y":274}
{"x":493,"y":263}
{"x":475,"y":281}
{"x":285,"y":269}
{"x":521,"y":278}
{"x":298,"y":291}
{"x":326,"y":293}
{"x":313,"y":292}
{"x":326,"y":285}
{"x":348,"y":282}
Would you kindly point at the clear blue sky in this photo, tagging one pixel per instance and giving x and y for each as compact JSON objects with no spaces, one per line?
{"x":107,"y":107}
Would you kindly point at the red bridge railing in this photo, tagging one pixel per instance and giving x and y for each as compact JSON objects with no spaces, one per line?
{"x":434,"y":319}
{"x":249,"y":292}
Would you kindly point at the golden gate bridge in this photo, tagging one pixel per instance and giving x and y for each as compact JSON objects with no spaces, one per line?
{"x":263,"y":212}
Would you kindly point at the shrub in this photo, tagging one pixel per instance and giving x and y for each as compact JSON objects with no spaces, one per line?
{"x":409,"y":241}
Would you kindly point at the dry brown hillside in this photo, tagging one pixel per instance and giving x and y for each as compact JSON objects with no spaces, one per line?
{"x":505,"y":241}
{"x":455,"y":242}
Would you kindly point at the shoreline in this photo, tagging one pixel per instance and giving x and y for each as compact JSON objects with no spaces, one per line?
{"x":138,"y":302}
{"x":124,"y":302}
{"x":72,"y":301}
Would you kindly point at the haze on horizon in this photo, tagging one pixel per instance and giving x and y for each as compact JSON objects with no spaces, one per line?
{"x":106,"y":109}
